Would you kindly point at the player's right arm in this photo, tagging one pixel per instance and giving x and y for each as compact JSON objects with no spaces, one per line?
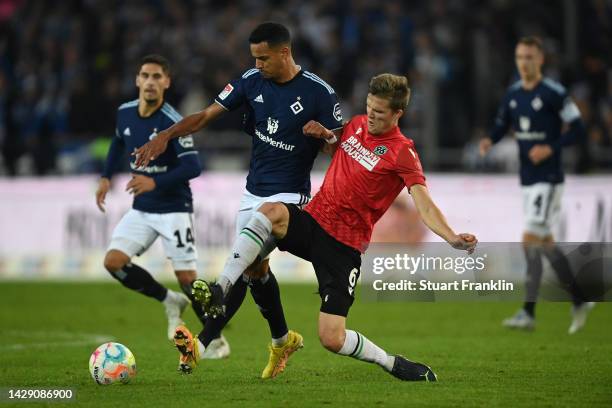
{"x":500,"y":128}
{"x":186,"y":126}
{"x":230,"y":98}
{"x":192,"y":123}
{"x":113,"y":158}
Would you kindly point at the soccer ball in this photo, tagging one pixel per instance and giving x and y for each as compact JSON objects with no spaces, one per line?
{"x":111,"y":363}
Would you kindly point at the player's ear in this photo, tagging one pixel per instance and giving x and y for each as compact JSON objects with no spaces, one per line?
{"x":285,"y":51}
{"x":541,"y":57}
{"x":168,"y":81}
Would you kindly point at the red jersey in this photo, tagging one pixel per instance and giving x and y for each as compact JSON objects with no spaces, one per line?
{"x":366,"y":174}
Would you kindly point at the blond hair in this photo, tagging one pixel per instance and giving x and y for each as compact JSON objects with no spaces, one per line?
{"x":392,"y":87}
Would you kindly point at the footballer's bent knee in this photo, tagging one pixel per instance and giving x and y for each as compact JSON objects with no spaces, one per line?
{"x":185,"y":277}
{"x":278,"y":214}
{"x":258,"y":269}
{"x":332,"y":340}
{"x":115,"y":260}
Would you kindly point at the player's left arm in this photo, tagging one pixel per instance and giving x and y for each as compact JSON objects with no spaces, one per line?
{"x":329,"y":116}
{"x":331,"y":146}
{"x":331,"y":137}
{"x":436,"y":221}
{"x":409,"y":169}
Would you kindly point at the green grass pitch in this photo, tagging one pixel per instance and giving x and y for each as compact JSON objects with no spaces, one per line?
{"x":45,"y":341}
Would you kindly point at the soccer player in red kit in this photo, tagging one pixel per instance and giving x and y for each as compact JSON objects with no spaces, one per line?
{"x":372,"y":163}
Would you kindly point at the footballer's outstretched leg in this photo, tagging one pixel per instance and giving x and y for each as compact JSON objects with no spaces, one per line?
{"x":336,"y":338}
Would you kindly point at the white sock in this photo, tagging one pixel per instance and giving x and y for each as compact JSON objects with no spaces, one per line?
{"x":201,"y":349}
{"x":171,"y":297}
{"x":247,"y":246}
{"x":358,"y":346}
{"x":280,"y":341}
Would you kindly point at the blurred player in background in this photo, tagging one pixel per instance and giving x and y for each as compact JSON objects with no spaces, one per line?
{"x":162,"y":198}
{"x":373,"y":161}
{"x":281,"y":98}
{"x":536,"y":108}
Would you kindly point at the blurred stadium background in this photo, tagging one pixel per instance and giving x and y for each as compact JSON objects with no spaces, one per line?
{"x":66,"y":66}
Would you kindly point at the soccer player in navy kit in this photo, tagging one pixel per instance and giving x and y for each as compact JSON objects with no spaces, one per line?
{"x":281,"y":98}
{"x":162,"y":204}
{"x":536,"y":108}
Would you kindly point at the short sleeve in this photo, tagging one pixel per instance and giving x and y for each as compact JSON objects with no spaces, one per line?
{"x":409,"y":166}
{"x":233,"y":95}
{"x":329,"y":112}
{"x":183,"y":145}
{"x":569,"y":111}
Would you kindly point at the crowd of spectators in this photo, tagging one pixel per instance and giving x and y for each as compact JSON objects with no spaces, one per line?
{"x":65,"y":66}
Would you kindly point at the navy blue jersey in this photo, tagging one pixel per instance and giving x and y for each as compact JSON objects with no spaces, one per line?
{"x":171,"y":170}
{"x":282,"y":156}
{"x":536,"y":117}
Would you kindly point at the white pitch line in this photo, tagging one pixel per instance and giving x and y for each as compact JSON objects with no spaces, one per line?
{"x":66,"y":339}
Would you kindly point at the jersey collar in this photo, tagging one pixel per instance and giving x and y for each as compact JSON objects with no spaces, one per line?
{"x":389,"y":133}
{"x":295,"y":77}
{"x":152,"y":113}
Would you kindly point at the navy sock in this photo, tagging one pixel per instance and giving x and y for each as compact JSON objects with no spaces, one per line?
{"x":197,"y":309}
{"x":529,"y":307}
{"x":136,"y":278}
{"x":212,"y":327}
{"x":533,"y":256}
{"x":266,"y":294}
{"x":562,"y":269}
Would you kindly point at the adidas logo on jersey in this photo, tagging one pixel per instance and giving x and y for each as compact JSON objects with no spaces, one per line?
{"x":259,"y":99}
{"x":127,"y":132}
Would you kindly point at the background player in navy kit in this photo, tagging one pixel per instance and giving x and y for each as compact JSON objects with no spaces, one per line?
{"x":162,"y":198}
{"x":281,"y":98}
{"x":536,"y":107}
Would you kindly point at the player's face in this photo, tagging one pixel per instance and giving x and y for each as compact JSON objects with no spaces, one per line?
{"x":529,"y":60}
{"x":381,"y":118}
{"x":271,"y":62}
{"x":152,"y":82}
